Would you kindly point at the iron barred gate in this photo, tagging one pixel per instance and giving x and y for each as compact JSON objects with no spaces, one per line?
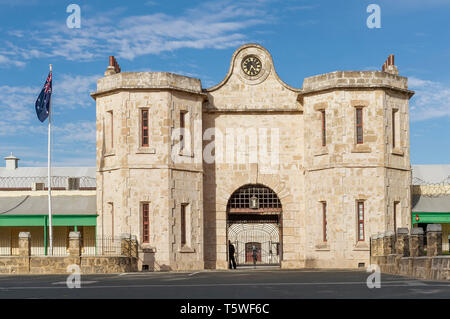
{"x":254,"y":224}
{"x":264,"y":237}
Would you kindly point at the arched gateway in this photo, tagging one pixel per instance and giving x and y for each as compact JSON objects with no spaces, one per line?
{"x":254,"y":222}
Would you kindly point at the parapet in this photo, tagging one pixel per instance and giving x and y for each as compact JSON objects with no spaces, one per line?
{"x":355,"y":80}
{"x":147,"y":81}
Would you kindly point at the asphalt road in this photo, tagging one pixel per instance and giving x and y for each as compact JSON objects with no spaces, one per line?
{"x":235,"y":284}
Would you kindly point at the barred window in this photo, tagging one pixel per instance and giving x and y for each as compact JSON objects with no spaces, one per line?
{"x":324,"y":129}
{"x":184,"y":222}
{"x":144,"y":127}
{"x":360,"y":212}
{"x":254,"y":197}
{"x":145,"y":223}
{"x":359,"y":126}
{"x":182,"y":129}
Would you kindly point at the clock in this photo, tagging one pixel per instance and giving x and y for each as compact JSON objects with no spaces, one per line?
{"x":251,"y":65}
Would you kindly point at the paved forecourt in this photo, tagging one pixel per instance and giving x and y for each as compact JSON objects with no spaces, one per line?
{"x":246,"y":283}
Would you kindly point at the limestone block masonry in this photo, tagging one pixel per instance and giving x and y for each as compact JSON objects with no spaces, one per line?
{"x":365,"y":183}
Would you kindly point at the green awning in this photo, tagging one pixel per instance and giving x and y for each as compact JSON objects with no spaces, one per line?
{"x":430,"y":209}
{"x":430,"y":217}
{"x":42,"y":220}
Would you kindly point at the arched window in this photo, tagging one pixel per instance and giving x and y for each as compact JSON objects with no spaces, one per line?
{"x":254,"y":198}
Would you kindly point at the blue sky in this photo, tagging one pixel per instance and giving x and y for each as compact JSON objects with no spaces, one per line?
{"x":197,"y":38}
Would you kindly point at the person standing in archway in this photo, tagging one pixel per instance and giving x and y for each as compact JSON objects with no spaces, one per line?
{"x":255,"y":255}
{"x":231,"y":252}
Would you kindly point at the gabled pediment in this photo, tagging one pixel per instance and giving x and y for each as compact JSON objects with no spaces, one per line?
{"x":252,"y":84}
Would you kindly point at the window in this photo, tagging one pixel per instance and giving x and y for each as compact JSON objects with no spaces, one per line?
{"x":360,"y":212}
{"x":396,"y":216}
{"x":73,"y":183}
{"x":324,"y":129}
{"x":145,"y":223}
{"x":359,"y":125}
{"x":183,"y":224}
{"x":111,"y":219}
{"x":109,"y":131}
{"x":144,"y":127}
{"x":324,"y":217}
{"x":182,"y":128}
{"x":395,"y":129}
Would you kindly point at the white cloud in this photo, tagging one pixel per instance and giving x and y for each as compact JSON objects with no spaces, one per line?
{"x":432,"y":99}
{"x":17,"y":102}
{"x":8,"y":62}
{"x":76,"y":132}
{"x":210,"y":25}
{"x":73,"y":91}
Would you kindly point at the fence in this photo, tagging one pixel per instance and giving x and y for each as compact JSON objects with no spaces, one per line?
{"x":5,"y":246}
{"x":90,"y":246}
{"x":101,"y":246}
{"x":57,"y":181}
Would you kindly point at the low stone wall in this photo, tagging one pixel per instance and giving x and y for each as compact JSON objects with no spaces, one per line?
{"x":14,"y":265}
{"x":403,"y":254}
{"x":431,"y":268}
{"x":108,"y":265}
{"x":58,"y":265}
{"x":26,"y":264}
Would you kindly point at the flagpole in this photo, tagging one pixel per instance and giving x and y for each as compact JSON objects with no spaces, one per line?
{"x":49,"y":175}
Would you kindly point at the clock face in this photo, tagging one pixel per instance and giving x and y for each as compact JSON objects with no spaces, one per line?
{"x":251,"y":65}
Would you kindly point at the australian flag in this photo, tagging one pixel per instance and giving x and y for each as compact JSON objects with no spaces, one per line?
{"x":43,"y":101}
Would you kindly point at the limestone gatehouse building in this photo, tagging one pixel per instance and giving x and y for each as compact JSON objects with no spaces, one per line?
{"x":339,"y":168}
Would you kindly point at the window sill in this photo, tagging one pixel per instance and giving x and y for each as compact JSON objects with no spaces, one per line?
{"x":322,"y":247}
{"x":145,"y":150}
{"x":361,"y":148}
{"x":361,"y":246}
{"x":185,"y":153}
{"x":397,"y":151}
{"x":322,"y":151}
{"x":146,"y":248}
{"x":186,"y":249}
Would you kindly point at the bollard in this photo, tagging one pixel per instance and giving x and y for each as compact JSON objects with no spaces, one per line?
{"x":75,"y":244}
{"x":416,"y":242}
{"x":388,"y":243}
{"x":402,"y":242}
{"x":24,"y":244}
{"x":434,"y":240}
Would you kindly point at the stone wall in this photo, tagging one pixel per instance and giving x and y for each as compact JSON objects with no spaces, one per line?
{"x":26,"y":264}
{"x":58,"y":265}
{"x":403,"y":254}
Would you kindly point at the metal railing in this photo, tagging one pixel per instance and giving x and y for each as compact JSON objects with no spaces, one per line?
{"x":101,"y":246}
{"x":5,"y":247}
{"x":57,"y":181}
{"x":90,"y":246}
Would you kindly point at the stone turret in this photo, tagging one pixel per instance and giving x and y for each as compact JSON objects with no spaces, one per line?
{"x":142,"y":179}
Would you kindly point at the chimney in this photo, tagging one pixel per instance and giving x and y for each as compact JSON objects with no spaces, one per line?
{"x":389,"y":65}
{"x":12,"y":162}
{"x":113,"y":66}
